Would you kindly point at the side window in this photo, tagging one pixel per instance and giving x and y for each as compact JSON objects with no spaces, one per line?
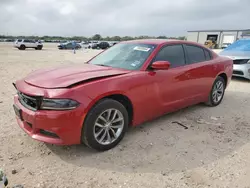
{"x":28,"y":41}
{"x":207,"y":55}
{"x":195,"y":54}
{"x":69,"y":45}
{"x":173,"y":53}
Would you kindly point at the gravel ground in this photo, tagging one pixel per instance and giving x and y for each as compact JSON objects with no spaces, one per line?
{"x":213,"y":152}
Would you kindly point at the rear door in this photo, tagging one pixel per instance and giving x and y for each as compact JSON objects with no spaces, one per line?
{"x":201,"y":71}
{"x":29,"y":43}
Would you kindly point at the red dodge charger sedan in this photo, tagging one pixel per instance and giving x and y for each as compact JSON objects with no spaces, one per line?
{"x":126,"y":85}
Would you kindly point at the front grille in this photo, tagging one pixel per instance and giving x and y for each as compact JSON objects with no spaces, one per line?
{"x":240,"y":61}
{"x":30,"y":102}
{"x":238,"y":72}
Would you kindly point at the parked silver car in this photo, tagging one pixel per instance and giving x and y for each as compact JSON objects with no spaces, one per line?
{"x":225,"y":45}
{"x":239,"y":51}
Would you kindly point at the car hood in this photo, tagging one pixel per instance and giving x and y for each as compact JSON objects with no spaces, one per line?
{"x":235,"y":57}
{"x":67,"y":76}
{"x":61,"y":44}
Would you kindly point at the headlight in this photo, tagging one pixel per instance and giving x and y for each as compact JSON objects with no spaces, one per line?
{"x":58,"y":104}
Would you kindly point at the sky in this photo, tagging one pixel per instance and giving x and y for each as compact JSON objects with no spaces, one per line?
{"x":120,"y":17}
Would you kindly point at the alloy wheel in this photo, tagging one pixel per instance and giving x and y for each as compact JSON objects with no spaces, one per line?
{"x":108,"y":126}
{"x":218,"y":91}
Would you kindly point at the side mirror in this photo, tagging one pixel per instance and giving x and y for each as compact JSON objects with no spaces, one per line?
{"x":160,"y":65}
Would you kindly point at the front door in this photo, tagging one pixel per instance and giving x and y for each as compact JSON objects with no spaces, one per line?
{"x":32,"y":44}
{"x":27,"y":43}
{"x":69,"y":46}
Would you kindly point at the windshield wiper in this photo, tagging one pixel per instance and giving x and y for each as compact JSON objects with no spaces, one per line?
{"x":102,"y":65}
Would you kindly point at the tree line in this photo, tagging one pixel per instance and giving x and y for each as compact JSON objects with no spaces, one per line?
{"x":96,"y":37}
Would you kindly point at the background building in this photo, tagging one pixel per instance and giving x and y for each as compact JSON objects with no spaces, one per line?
{"x":220,"y":36}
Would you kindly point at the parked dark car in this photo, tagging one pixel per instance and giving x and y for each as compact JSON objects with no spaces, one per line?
{"x":69,"y":45}
{"x":101,"y":45}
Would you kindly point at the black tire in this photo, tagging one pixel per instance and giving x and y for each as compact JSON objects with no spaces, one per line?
{"x":6,"y":182}
{"x":88,"y":137}
{"x":22,"y":47}
{"x":39,"y":47}
{"x":211,"y":101}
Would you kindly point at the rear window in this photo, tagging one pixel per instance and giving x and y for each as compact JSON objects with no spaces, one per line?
{"x":207,"y":55}
{"x":195,"y":54}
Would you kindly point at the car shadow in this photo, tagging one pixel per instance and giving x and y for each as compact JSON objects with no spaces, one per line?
{"x":163,"y":146}
{"x":240,"y":79}
{"x":31,"y":50}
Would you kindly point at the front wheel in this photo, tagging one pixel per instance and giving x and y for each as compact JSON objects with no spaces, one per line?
{"x":39,"y":47}
{"x":217,"y":92}
{"x":105,"y":125}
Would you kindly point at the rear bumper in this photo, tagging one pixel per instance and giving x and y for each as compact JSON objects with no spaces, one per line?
{"x":242,"y":70}
{"x":54,"y":127}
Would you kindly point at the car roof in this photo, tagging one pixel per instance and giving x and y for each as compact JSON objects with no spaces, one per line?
{"x":159,"y":41}
{"x":148,"y":41}
{"x":168,"y":41}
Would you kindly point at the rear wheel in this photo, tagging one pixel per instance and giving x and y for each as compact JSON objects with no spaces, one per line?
{"x":217,"y":92}
{"x":22,"y":47}
{"x":105,"y":125}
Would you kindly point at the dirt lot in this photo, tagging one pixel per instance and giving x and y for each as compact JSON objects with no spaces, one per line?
{"x":213,"y":152}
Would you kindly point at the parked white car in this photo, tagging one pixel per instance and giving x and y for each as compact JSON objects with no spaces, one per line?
{"x":92,"y":44}
{"x":85,"y":44}
{"x":22,"y":44}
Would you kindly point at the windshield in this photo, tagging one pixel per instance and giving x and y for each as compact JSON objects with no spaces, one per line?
{"x":129,"y":56}
{"x":239,"y":48}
